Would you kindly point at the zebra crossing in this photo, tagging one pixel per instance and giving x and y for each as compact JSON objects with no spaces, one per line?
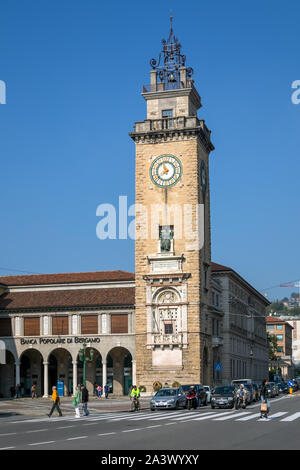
{"x":172,"y":416}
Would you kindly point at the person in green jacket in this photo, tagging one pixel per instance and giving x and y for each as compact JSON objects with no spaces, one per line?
{"x":76,"y":401}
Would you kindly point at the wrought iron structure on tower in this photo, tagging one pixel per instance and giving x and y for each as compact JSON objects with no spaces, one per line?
{"x":170,"y":61}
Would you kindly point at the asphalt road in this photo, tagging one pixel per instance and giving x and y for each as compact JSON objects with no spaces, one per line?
{"x":161,"y":430}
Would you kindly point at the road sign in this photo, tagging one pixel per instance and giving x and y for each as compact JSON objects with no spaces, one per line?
{"x":60,"y":388}
{"x":218,"y":367}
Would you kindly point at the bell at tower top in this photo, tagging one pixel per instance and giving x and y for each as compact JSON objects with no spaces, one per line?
{"x":171,"y":90}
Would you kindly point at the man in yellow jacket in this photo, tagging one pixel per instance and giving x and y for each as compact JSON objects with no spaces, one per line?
{"x":56,"y":401}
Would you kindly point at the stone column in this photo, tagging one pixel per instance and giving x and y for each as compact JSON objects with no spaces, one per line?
{"x":104,"y":374}
{"x":17,"y":363}
{"x":74,"y":376}
{"x":45,"y":380}
{"x":134,"y":372}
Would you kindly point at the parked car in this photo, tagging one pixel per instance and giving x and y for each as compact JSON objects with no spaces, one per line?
{"x":208,"y":393}
{"x":200,"y":392}
{"x":275,"y":387}
{"x":251,"y":396}
{"x":168,"y":398}
{"x":256,"y":391}
{"x":241,"y":381}
{"x":283,"y":387}
{"x":270,"y":390}
{"x":223,"y":397}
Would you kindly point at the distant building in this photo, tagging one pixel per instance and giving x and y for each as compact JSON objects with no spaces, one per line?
{"x":242,"y":343}
{"x":295,"y":323}
{"x":282,"y":330}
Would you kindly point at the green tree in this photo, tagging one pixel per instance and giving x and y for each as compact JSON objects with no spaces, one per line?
{"x":272,"y":341}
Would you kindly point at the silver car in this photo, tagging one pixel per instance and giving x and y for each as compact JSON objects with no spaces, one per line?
{"x":168,"y":398}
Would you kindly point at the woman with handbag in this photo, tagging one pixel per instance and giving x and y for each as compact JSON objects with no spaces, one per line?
{"x":76,"y":402}
{"x":265,"y":404}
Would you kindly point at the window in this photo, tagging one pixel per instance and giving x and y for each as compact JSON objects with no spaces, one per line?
{"x":167,"y":113}
{"x":5,"y":327}
{"x":60,"y":325}
{"x":119,"y":324}
{"x":279,"y":327}
{"x":279,"y":337}
{"x":279,"y":348}
{"x":168,"y":326}
{"x":32,"y":326}
{"x":270,"y":327}
{"x":89,"y":324}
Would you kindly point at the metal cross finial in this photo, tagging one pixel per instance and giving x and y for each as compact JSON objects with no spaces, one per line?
{"x":171,"y":20}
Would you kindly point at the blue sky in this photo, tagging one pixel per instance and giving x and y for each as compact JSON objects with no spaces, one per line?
{"x":74,"y":72}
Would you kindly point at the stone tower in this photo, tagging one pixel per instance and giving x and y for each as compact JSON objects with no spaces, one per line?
{"x":172,"y":247}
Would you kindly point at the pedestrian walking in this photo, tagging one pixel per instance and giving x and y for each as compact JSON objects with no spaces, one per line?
{"x":95,"y":389}
{"x":33,"y":391}
{"x":56,"y":402}
{"x":84,"y":400}
{"x":106,"y":390}
{"x":76,"y":401}
{"x":99,"y":391}
{"x":265,"y":404}
{"x":18,"y":391}
{"x":12,"y":391}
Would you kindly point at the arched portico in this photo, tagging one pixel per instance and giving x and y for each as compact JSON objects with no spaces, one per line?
{"x":7,"y":375}
{"x":31,"y":372}
{"x":59,"y":365}
{"x":93,"y":371}
{"x":119,"y":370}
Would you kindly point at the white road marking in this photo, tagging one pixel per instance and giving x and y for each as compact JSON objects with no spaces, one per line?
{"x":277,"y":415}
{"x":206,"y":417}
{"x":131,"y":430}
{"x":154,"y":426}
{"x":247,"y":418}
{"x":232,"y":415}
{"x":41,"y":443}
{"x":168,"y":416}
{"x":8,"y":434}
{"x":66,"y":427}
{"x":193,"y":417}
{"x":73,"y":438}
{"x":6,"y":448}
{"x":106,"y":434}
{"x":37,"y":430}
{"x":292,"y":417}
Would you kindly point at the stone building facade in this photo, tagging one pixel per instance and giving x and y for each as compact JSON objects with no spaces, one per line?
{"x":46,"y":319}
{"x":243,"y":346}
{"x":172,"y":283}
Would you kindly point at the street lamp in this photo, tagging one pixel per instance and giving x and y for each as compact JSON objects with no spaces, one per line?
{"x":84,"y":359}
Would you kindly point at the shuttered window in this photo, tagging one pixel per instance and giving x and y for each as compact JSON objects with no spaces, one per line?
{"x":32,"y":326}
{"x":60,"y":325}
{"x":5,"y":327}
{"x":89,"y":324}
{"x":119,"y":323}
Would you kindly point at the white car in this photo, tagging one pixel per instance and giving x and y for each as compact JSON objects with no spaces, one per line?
{"x":208,"y":392}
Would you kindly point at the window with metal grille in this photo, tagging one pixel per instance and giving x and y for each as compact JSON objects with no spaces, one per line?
{"x":169,"y":329}
{"x":60,"y":325}
{"x":32,"y":326}
{"x":119,"y":323}
{"x":89,"y":324}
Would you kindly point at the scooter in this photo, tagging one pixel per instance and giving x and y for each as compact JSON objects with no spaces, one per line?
{"x":191,"y":402}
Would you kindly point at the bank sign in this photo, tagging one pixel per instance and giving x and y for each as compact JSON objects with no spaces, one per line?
{"x":70,"y":340}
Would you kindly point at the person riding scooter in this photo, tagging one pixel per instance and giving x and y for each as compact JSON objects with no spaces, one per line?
{"x":192,"y":398}
{"x":240,"y":397}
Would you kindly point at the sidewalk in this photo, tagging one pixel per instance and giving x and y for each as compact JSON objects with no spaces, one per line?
{"x":40,"y":406}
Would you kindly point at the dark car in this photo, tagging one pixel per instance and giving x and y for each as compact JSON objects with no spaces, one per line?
{"x":270,"y":390}
{"x":283,"y":387}
{"x":256,"y":391}
{"x":251,"y":390}
{"x":223,"y":397}
{"x":200,"y":393}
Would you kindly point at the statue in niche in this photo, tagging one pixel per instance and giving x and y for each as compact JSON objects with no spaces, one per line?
{"x":166,"y":234}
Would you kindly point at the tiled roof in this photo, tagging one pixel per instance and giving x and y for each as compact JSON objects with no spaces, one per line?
{"x":274,"y":320}
{"x":67,"y":278}
{"x":218,"y":267}
{"x":68,"y":298}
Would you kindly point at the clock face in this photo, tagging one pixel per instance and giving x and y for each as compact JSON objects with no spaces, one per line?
{"x":203,"y":177}
{"x":165,"y":171}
